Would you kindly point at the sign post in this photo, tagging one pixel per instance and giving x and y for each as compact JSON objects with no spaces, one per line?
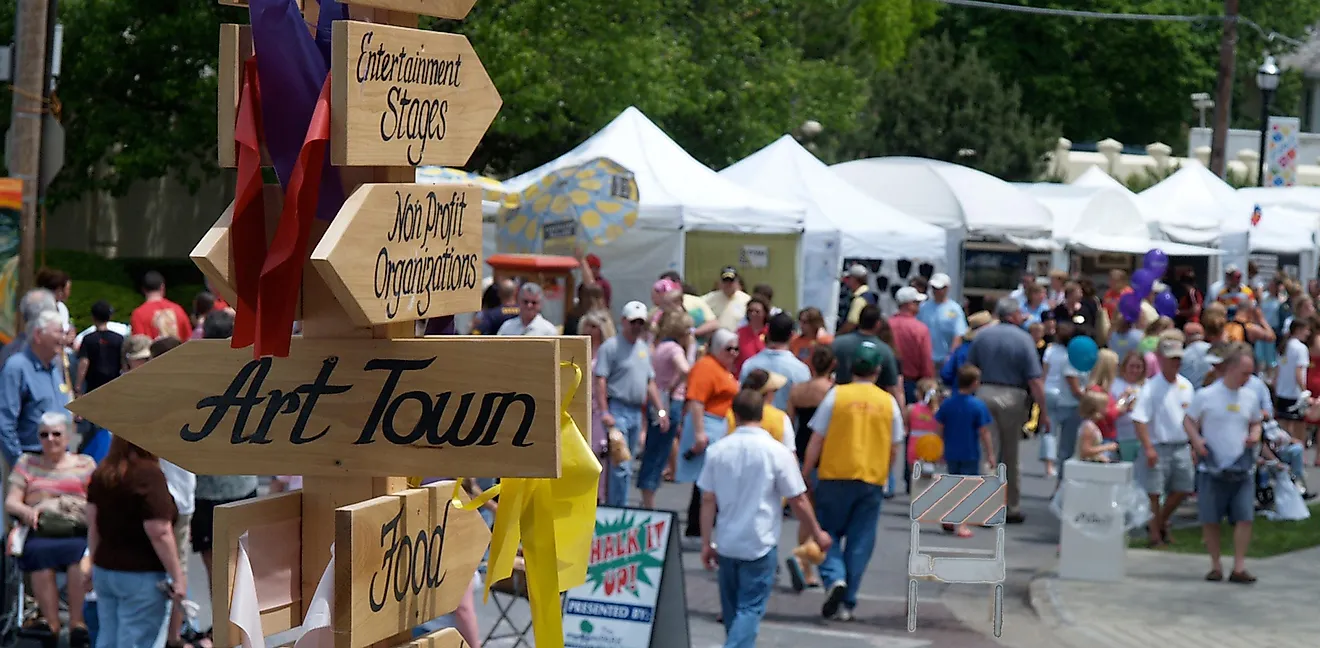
{"x":356,"y":404}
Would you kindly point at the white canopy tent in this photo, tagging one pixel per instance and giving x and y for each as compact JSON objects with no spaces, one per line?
{"x":964,"y":201}
{"x":841,"y":221}
{"x":1289,"y":223}
{"x":677,"y":194}
{"x":1195,"y":206}
{"x":1103,"y":219}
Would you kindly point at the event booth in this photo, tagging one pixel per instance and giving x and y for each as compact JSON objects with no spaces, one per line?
{"x":987,"y":220}
{"x":691,"y":219}
{"x":841,"y":221}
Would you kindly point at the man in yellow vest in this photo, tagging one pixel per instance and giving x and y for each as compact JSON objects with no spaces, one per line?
{"x":856,"y":434}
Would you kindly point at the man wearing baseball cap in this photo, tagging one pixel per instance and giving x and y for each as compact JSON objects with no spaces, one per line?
{"x":1230,"y":291}
{"x":729,"y":302}
{"x":625,"y":385}
{"x":912,"y":341}
{"x":1157,"y":418}
{"x":858,"y":281}
{"x":944,"y":318}
{"x":855,"y":436}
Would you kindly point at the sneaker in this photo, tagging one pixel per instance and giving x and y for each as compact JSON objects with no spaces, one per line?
{"x":844,"y":614}
{"x":795,"y":574}
{"x":833,"y":599}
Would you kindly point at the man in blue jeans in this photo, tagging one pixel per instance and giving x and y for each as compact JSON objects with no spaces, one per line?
{"x":625,"y":384}
{"x":856,"y":433}
{"x":746,"y":477}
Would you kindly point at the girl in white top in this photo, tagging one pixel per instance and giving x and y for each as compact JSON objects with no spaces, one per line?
{"x":1291,"y":379}
{"x":1063,"y":384}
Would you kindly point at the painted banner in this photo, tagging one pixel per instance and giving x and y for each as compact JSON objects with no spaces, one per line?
{"x":11,"y":206}
{"x":1281,"y":151}
{"x":617,"y":605}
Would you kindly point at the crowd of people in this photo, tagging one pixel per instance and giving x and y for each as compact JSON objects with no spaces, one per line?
{"x":1190,"y":400}
{"x":764,"y":413}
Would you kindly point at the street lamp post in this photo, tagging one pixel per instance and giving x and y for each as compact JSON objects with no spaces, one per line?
{"x":1267,"y":79}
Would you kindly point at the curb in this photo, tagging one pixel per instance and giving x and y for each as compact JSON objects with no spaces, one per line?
{"x":1043,"y":598}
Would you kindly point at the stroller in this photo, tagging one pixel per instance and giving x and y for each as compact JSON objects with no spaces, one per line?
{"x":1271,"y":469}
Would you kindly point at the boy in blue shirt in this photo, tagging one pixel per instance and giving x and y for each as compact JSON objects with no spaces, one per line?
{"x":963,"y":421}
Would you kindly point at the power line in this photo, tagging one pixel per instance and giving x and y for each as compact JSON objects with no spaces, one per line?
{"x":1134,"y":17}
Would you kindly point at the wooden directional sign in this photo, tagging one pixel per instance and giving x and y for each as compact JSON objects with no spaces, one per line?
{"x":406,"y":558}
{"x":483,"y":407}
{"x":213,"y":256}
{"x":402,"y":252}
{"x":406,"y":97}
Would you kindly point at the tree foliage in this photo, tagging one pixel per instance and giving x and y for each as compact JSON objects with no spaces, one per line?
{"x":137,"y":92}
{"x":946,"y":102}
{"x":1130,"y":80}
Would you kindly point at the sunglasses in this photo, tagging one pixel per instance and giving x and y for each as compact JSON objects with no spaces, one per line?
{"x":637,"y":322}
{"x":731,"y":349}
{"x":531,"y":302}
{"x":50,"y":435}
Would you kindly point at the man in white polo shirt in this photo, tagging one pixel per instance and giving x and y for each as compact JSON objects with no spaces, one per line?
{"x":746,"y":477}
{"x":1223,"y":425}
{"x":1157,"y":417}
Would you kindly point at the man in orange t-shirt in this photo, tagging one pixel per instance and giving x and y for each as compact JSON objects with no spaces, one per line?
{"x":159,"y":317}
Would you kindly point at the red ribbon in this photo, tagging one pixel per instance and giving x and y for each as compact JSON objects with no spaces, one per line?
{"x":281,"y":276}
{"x":247,"y":229}
{"x":267,"y":279}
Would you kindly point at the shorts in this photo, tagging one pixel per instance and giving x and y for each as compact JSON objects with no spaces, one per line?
{"x":183,"y":540}
{"x":963,"y":467}
{"x":1172,"y":472}
{"x":203,"y":521}
{"x":1283,"y":409}
{"x":1217,"y":499}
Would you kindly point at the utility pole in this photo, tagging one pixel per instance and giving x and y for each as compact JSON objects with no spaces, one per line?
{"x":30,"y":32}
{"x":1224,"y":90}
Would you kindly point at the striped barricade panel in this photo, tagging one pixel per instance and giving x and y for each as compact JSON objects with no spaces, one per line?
{"x":962,"y":499}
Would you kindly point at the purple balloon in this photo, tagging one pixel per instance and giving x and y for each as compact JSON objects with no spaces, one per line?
{"x":1142,"y":280}
{"x":1156,"y":260}
{"x":1129,"y":306}
{"x":1166,"y":304}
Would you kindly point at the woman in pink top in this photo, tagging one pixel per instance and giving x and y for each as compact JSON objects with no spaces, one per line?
{"x":751,"y":336}
{"x":670,"y":361}
{"x":593,"y":325}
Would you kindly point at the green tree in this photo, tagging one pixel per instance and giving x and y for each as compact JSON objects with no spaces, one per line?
{"x":1129,"y":80}
{"x":137,"y":92}
{"x":947,"y":103}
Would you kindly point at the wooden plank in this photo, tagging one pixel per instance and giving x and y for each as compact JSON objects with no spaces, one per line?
{"x":213,"y":255}
{"x":280,"y":514}
{"x":235,"y":48}
{"x":447,"y":638}
{"x":481,"y":407}
{"x":406,"y":96}
{"x":409,"y":558}
{"x":403,"y":252}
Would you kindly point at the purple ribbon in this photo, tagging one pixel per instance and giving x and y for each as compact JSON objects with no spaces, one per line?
{"x":293,"y":67}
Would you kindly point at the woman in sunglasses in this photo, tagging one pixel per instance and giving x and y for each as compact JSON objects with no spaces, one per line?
{"x":710,"y":391}
{"x":48,"y":495}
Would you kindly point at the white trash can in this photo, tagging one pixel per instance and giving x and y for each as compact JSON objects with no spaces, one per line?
{"x":1093,"y":542}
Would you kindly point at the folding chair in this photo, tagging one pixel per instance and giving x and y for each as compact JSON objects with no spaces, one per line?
{"x":506,"y":594}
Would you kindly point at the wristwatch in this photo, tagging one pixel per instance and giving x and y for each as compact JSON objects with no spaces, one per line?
{"x":662,"y":413}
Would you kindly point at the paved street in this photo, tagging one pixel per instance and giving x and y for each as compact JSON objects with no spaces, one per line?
{"x":1160,"y":588}
{"x":948,"y":615}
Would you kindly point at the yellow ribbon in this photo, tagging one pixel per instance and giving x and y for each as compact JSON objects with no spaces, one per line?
{"x":553,"y":519}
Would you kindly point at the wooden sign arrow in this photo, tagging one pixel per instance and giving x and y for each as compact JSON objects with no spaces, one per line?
{"x":406,"y":97}
{"x":213,"y":256}
{"x":446,"y":9}
{"x":447,"y":638}
{"x":402,"y":252}
{"x":413,"y":555}
{"x":483,"y":407}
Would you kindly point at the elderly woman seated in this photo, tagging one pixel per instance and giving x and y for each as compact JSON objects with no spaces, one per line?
{"x":48,"y":496}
